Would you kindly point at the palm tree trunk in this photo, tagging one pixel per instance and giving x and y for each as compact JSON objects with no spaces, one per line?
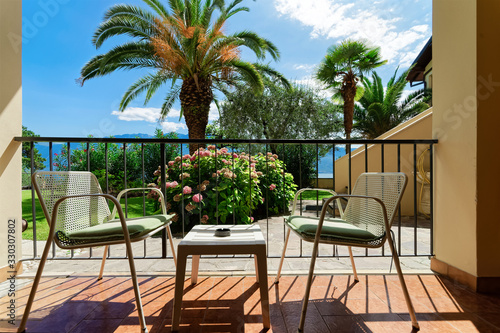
{"x":195,"y":103}
{"x":348,"y":92}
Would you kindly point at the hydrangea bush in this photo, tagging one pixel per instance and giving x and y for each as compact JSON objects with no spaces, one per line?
{"x":218,"y":185}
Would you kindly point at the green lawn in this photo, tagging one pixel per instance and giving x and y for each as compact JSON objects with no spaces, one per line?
{"x":42,"y":228}
{"x":311,"y":195}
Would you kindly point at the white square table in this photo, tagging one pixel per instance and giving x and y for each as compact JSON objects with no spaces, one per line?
{"x":244,"y":239}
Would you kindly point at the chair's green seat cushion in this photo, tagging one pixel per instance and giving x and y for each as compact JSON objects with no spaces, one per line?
{"x":333,"y":229}
{"x":112,"y":230}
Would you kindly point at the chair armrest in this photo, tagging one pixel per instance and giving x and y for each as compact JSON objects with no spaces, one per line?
{"x":162,"y":202}
{"x":316,"y":189}
{"x":107,"y":196}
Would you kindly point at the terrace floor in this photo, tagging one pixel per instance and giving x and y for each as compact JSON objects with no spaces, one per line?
{"x":231,"y":304}
{"x":226,"y":299}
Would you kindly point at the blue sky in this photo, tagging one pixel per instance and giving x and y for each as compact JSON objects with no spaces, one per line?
{"x":57,"y":43}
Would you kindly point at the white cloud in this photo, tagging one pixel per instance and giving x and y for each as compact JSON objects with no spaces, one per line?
{"x":305,"y":67}
{"x":170,"y":126}
{"x":315,"y":84}
{"x":214,"y":113}
{"x":336,"y":19}
{"x":150,"y":115}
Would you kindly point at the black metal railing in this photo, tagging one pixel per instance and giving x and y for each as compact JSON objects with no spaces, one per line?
{"x":391,"y":158}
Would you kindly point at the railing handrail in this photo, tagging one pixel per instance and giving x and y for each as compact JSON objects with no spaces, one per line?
{"x":223,"y":141}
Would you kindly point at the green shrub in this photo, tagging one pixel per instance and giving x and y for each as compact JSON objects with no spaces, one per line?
{"x":217,"y":186}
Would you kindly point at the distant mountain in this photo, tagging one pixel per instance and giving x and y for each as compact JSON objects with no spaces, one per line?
{"x":133,"y":136}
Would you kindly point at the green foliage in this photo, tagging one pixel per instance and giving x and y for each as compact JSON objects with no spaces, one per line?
{"x":281,"y":112}
{"x":178,"y":41}
{"x":115,"y":155}
{"x":342,"y":68}
{"x":382,"y":108}
{"x":216,"y":185}
{"x":26,"y":155}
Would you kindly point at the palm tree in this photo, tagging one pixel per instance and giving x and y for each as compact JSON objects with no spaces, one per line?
{"x":342,"y":68}
{"x":381,"y":109}
{"x":183,"y":44}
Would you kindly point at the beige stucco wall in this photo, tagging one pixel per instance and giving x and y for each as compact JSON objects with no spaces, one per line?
{"x":419,"y":127}
{"x":488,"y":122}
{"x":454,"y":125}
{"x":10,"y":125}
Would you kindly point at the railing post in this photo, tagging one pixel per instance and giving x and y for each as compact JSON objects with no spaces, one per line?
{"x":164,"y":191}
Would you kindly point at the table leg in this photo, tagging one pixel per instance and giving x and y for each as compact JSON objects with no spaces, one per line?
{"x":256,"y":268}
{"x":194,"y":269}
{"x":264,"y":292}
{"x":179,"y":288}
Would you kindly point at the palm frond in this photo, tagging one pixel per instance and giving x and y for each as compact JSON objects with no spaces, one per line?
{"x":157,"y":7}
{"x":169,"y":101}
{"x":145,"y":83}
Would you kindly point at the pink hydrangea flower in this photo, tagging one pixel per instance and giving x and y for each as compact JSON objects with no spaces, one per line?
{"x":174,"y":184}
{"x":194,"y":157}
{"x":211,"y":147}
{"x":207,"y":153}
{"x":171,"y":163}
{"x":235,"y":155}
{"x":178,"y":159}
{"x":272,"y":159}
{"x":186,"y":157}
{"x":197,"y":198}
{"x":187,"y":190}
{"x":223,"y":150}
{"x":185,"y":165}
{"x":252,"y":165}
{"x":272,"y":187}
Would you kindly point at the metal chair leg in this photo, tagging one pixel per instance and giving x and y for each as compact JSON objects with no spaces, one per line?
{"x":104,"y":255}
{"x":137,"y":293}
{"x":169,"y":233}
{"x":38,"y":276}
{"x":305,"y":301}
{"x":353,"y":265}
{"x":277,"y":279}
{"x":409,"y":303}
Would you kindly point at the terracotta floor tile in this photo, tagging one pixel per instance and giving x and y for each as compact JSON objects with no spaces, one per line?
{"x":97,"y":325}
{"x":385,"y":323}
{"x":64,"y":318}
{"x":430,"y":322}
{"x":314,"y":321}
{"x":347,"y":324}
{"x":232,"y":304}
{"x":468,"y":322}
{"x":111,"y":310}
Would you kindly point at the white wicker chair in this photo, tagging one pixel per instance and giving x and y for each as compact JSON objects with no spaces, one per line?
{"x":79,"y":217}
{"x":366,"y":222}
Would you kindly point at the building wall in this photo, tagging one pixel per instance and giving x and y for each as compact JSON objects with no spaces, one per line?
{"x":454,"y":125}
{"x":488,"y":120}
{"x":10,"y":126}
{"x":419,"y":127}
